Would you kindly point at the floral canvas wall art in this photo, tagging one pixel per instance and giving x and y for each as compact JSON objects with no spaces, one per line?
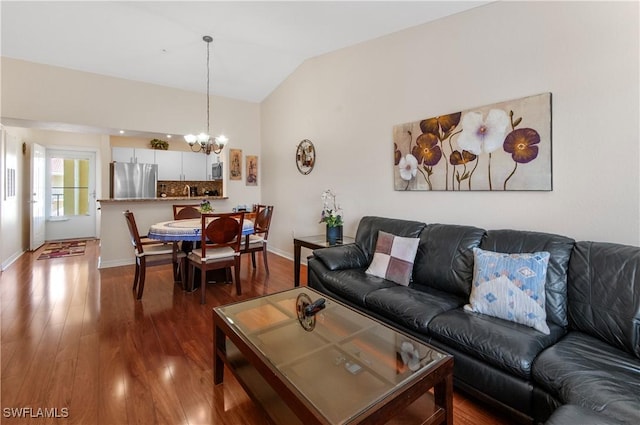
{"x":504,"y":146}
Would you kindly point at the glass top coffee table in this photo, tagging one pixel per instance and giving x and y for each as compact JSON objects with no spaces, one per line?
{"x":335,"y":367}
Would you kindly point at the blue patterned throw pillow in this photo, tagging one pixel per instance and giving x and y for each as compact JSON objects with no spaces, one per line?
{"x":510,"y":287}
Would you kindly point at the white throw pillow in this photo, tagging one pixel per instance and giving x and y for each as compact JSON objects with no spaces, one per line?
{"x":510,"y":287}
{"x":393,"y":258}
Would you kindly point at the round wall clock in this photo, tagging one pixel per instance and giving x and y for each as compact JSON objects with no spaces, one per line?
{"x":305,"y":156}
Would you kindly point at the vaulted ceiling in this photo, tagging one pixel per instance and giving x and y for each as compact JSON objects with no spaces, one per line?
{"x":256,"y":44}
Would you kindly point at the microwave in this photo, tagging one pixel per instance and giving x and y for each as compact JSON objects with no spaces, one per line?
{"x":216,"y":171}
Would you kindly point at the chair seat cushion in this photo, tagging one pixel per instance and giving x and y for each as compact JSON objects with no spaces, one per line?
{"x":158,"y":249}
{"x":583,"y":370}
{"x":255,"y":241}
{"x":213,"y":254}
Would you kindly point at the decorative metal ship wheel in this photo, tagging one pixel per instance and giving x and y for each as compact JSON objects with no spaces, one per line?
{"x":306,"y":311}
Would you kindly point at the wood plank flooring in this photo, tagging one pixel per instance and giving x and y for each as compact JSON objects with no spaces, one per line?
{"x":76,"y":343}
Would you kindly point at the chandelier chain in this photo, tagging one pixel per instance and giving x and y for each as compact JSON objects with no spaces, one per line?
{"x":208,"y":76}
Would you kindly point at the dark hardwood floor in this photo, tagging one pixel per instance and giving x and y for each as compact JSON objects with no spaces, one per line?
{"x":75,"y":339}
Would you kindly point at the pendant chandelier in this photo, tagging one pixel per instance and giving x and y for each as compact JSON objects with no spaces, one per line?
{"x":203,"y":142}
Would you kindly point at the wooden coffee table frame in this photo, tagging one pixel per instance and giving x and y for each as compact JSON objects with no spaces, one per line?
{"x":439,"y":378}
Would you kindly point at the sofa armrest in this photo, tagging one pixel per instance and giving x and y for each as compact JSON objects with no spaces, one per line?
{"x":342,"y":257}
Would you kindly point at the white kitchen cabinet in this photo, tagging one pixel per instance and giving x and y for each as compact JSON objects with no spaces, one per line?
{"x":194,"y":166}
{"x":122,"y":155}
{"x":142,"y":156}
{"x":169,"y":165}
{"x":173,"y":165}
{"x":145,"y":156}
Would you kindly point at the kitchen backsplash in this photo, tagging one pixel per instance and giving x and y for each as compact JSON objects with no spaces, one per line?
{"x":178,"y":188}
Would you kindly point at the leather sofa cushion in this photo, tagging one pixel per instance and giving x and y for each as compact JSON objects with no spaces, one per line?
{"x":410,"y":308}
{"x":445,"y":257}
{"x":367,"y":233}
{"x":352,"y":284}
{"x":559,"y":247}
{"x":572,"y":414}
{"x":583,"y":370}
{"x":604,"y":293}
{"x":505,"y":345}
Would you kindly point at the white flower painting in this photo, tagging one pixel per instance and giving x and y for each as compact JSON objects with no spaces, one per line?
{"x":499,"y":147}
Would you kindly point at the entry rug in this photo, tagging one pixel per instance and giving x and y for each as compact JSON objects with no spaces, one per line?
{"x":63,"y":249}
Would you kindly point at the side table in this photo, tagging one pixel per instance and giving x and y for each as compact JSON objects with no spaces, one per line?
{"x":311,"y":242}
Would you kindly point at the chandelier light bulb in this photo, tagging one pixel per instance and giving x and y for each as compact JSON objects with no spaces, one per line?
{"x":191,"y":139}
{"x":203,"y":138}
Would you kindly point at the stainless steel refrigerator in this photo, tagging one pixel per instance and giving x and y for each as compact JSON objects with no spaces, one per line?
{"x":133,"y":180}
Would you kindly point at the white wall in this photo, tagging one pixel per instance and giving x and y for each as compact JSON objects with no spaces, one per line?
{"x":12,"y":237}
{"x":42,"y":93}
{"x":46,"y":93}
{"x":62,"y":140}
{"x":346,"y":102}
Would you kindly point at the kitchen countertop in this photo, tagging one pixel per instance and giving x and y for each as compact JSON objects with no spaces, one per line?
{"x":168,"y":198}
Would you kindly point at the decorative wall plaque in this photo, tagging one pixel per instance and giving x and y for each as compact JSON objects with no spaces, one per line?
{"x":305,"y":156}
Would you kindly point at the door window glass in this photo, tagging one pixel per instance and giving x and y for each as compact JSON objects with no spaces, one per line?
{"x":69,"y":187}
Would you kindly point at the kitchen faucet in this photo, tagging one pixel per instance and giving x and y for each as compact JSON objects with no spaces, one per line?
{"x":187,"y":189}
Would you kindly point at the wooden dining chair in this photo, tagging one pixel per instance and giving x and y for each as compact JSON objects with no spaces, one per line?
{"x":258,"y":240}
{"x":182,"y":212}
{"x":221,"y":236}
{"x":150,"y":253}
{"x":185,"y":212}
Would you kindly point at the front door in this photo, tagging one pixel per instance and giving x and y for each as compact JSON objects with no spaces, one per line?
{"x":37,"y":199}
{"x":71,"y":195}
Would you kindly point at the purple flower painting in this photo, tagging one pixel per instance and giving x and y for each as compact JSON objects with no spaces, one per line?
{"x":499,"y":147}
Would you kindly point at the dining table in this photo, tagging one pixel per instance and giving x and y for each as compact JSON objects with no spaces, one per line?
{"x":186,"y":230}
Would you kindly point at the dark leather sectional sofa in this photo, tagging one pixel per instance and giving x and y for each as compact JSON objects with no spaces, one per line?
{"x":589,"y":363}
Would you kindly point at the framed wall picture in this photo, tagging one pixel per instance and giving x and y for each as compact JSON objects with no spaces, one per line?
{"x":235,"y":164}
{"x":251,"y":162}
{"x":499,"y":147}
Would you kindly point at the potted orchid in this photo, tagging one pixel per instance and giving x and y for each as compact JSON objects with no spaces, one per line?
{"x":332,"y":216}
{"x":205,"y":206}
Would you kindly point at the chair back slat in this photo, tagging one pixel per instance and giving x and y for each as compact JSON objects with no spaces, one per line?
{"x":183,"y":212}
{"x":257,"y":242}
{"x":221,"y":230}
{"x":133,"y":230}
{"x":263,"y":219}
